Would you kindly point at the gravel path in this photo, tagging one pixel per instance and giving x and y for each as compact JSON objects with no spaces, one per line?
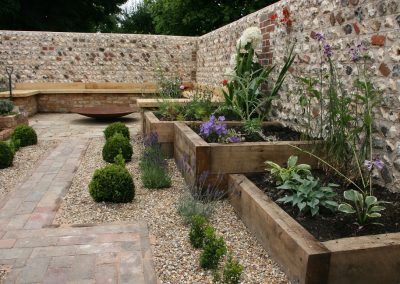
{"x":175,"y":260}
{"x":24,"y":162}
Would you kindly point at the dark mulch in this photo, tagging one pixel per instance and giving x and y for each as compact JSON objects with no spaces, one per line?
{"x":328,"y":225}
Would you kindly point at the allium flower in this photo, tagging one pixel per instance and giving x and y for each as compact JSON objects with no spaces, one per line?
{"x":319,"y":36}
{"x":327,"y":50}
{"x":251,"y":35}
{"x":375,"y":163}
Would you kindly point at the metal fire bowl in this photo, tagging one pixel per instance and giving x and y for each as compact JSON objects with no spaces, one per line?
{"x":103,"y":112}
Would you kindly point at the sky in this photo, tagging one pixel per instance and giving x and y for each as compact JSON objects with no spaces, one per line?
{"x":129,"y":3}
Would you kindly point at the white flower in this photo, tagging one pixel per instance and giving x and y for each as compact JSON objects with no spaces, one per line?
{"x":233,"y":60}
{"x":250,"y":35}
{"x":229,"y":73}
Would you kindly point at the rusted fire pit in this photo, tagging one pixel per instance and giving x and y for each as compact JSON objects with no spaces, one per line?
{"x":104,"y":112}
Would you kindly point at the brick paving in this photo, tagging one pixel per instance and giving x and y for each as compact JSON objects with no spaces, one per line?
{"x":37,"y":251}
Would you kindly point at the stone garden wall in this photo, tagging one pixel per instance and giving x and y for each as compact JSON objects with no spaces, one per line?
{"x":80,"y":57}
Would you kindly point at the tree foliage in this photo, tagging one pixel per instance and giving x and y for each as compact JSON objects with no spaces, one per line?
{"x":59,"y":15}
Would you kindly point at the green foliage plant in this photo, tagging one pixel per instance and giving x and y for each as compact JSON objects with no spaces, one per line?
{"x":168,"y":86}
{"x":153,"y":166}
{"x":283,"y":174}
{"x":349,"y":120}
{"x":308,"y":195}
{"x":188,"y":207}
{"x":24,"y":135}
{"x":116,"y":127}
{"x":170,"y":110}
{"x":197,"y":231}
{"x":115,"y":145}
{"x":6,"y":107}
{"x":232,"y":271}
{"x":214,"y":249}
{"x":6,"y":155}
{"x":112,"y":183}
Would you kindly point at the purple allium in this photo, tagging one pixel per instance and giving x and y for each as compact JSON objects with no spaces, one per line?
{"x":327,"y":50}
{"x":377,"y":163}
{"x":319,"y":36}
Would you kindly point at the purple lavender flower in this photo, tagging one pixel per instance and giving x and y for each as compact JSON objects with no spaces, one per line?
{"x":220,"y":129}
{"x":356,"y":52}
{"x":150,"y":139}
{"x":319,"y":36}
{"x":377,"y":163}
{"x":327,"y":50}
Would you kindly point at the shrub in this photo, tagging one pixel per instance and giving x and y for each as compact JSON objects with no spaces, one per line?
{"x":232,"y":271}
{"x":116,"y":144}
{"x":116,"y":127}
{"x":213,"y":249}
{"x":6,"y":155}
{"x":112,"y":183}
{"x":6,"y":106}
{"x":153,"y":166}
{"x":25,"y":134}
{"x":197,"y":231}
{"x":188,"y":207}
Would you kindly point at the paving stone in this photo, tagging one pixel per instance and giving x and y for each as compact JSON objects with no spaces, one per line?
{"x":98,"y":248}
{"x":14,"y":253}
{"x":106,"y":273}
{"x":64,"y":261}
{"x":107,"y":258}
{"x":4,"y":244}
{"x":56,"y":275}
{"x":82,"y":268}
{"x":34,"y":271}
{"x":42,"y":241}
{"x":17,"y":222}
{"x":75,"y":240}
{"x":26,"y":207}
{"x":53,"y":251}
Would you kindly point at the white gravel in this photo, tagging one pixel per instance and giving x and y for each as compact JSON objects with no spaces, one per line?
{"x":24,"y":163}
{"x":175,"y":260}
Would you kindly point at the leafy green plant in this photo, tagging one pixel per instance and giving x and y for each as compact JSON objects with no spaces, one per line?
{"x":232,"y":271}
{"x":119,"y":159}
{"x":168,"y":87}
{"x":6,"y":106}
{"x":115,"y":145}
{"x":200,"y":107}
{"x":6,"y":155}
{"x":188,"y":207}
{"x":171,"y":110}
{"x":116,"y":127}
{"x":112,"y":183}
{"x":197,"y":231}
{"x":214,"y":249}
{"x":283,"y":174}
{"x":308,"y":195}
{"x":25,"y":134}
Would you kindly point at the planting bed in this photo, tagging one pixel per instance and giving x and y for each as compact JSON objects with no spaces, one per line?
{"x":175,"y":260}
{"x":364,"y":259}
{"x":195,"y":156}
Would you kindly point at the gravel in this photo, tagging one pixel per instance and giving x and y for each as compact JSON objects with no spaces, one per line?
{"x":24,"y":162}
{"x":4,"y":269}
{"x":175,"y":260}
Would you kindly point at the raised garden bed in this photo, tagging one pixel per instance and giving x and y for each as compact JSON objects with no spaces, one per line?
{"x":365,"y":259}
{"x":8,"y":123}
{"x":195,"y":156}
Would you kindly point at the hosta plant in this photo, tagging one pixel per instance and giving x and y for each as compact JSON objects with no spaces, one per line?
{"x":282,"y":174}
{"x":308,"y":194}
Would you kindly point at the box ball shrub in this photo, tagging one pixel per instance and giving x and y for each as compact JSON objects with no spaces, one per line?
{"x":25,"y":134}
{"x":214,"y":249}
{"x":112,"y":183}
{"x":115,"y":145}
{"x":6,"y":155}
{"x":6,"y":106}
{"x":116,"y":127}
{"x":197,"y":231}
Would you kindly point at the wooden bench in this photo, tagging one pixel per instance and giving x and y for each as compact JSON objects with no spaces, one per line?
{"x":63,"y":97}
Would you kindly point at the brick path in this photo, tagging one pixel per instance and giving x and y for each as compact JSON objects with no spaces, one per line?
{"x":39,"y":252}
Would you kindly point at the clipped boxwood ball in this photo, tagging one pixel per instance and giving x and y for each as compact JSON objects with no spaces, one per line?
{"x":6,"y":155}
{"x":116,"y":127}
{"x":25,"y":134}
{"x":112,"y":184}
{"x":116,"y":144}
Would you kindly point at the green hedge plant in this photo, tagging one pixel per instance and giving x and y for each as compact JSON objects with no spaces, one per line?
{"x":115,"y":145}
{"x":214,"y":249}
{"x":116,"y":127}
{"x":25,"y":135}
{"x":6,"y":155}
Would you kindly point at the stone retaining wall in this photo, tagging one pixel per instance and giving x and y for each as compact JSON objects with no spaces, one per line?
{"x":84,"y":57}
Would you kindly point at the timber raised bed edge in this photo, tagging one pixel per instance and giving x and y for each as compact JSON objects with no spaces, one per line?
{"x":194,"y":156}
{"x":366,"y":259}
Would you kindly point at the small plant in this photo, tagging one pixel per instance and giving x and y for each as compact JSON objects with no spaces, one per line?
{"x":25,"y":134}
{"x":216,"y":132}
{"x":169,"y":87}
{"x":171,"y":110}
{"x":188,"y":207}
{"x":214,"y":249}
{"x":200,"y":106}
{"x":308,"y":194}
{"x":282,"y":174}
{"x":119,"y":160}
{"x":115,"y":145}
{"x":112,"y":183}
{"x":6,"y":155}
{"x":6,"y":106}
{"x":116,"y":127}
{"x":197,"y":231}
{"x":153,"y":166}
{"x":232,"y":271}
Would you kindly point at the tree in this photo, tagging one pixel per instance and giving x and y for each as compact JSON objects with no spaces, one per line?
{"x":137,"y":20}
{"x":59,"y":15}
